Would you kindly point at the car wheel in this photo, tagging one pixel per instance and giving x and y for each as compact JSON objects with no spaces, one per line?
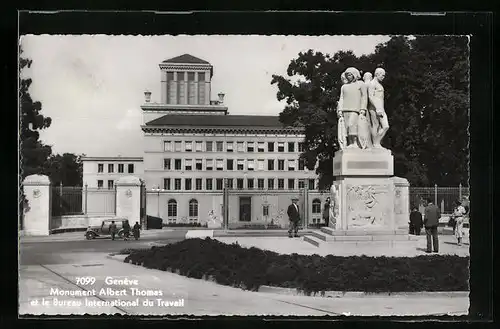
{"x":120,"y":235}
{"x":90,"y":236}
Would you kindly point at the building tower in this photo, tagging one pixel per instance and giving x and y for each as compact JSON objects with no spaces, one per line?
{"x":185,"y":89}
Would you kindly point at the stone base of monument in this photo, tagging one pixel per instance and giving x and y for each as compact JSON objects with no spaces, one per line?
{"x":358,"y":162}
{"x":328,"y":236}
{"x":370,"y":203}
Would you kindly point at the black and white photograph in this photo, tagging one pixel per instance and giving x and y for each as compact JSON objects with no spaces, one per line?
{"x":244,"y":175}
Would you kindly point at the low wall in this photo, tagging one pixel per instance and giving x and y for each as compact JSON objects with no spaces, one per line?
{"x":75,"y":222}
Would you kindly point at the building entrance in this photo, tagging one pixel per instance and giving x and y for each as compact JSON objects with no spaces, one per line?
{"x":245,"y":209}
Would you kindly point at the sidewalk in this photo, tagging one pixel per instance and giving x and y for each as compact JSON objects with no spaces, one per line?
{"x":285,"y":245}
{"x":205,"y":298}
{"x":74,"y":236}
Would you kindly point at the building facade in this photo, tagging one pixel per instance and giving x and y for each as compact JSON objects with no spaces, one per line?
{"x":193,"y":148}
{"x":103,"y":172}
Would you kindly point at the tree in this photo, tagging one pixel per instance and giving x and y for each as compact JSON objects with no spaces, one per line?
{"x":66,"y":169}
{"x":426,"y":101}
{"x":34,"y":153}
{"x":445,"y":93}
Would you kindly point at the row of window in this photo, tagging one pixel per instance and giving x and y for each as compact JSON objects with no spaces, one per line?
{"x":232,"y":164}
{"x":176,"y":87}
{"x":172,"y":208}
{"x":111,"y":168}
{"x":218,"y":146}
{"x":201,"y":184}
{"x":100,"y":184}
{"x":193,"y":209}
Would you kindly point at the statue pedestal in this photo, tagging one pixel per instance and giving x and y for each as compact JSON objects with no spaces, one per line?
{"x":368,"y":196}
{"x":358,"y":162}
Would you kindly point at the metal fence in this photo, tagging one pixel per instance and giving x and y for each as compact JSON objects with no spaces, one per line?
{"x":71,"y":200}
{"x":443,"y":197}
{"x":66,"y":200}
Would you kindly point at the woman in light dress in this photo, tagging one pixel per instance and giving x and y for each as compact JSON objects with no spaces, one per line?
{"x":458,"y":215}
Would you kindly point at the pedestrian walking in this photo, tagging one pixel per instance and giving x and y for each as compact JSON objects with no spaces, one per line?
{"x":112,"y":229}
{"x":416,"y":222}
{"x":136,"y":230}
{"x":294,"y":218}
{"x":458,"y":215}
{"x":126,"y":230}
{"x":431,"y":223}
{"x":326,"y":212}
{"x":466,"y":205}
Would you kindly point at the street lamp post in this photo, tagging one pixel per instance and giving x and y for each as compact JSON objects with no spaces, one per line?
{"x":158,"y":203}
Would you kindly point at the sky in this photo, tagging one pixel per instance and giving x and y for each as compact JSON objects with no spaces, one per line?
{"x":92,"y":86}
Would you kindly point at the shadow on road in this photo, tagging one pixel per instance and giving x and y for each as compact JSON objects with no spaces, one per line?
{"x":455,"y":244}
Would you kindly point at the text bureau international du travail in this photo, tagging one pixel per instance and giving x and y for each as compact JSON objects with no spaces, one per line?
{"x":108,"y":292}
{"x":108,"y":303}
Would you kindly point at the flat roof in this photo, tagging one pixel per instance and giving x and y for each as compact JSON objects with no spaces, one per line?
{"x":114,"y":158}
{"x":250,"y":121}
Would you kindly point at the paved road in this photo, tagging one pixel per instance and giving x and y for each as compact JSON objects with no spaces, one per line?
{"x":49,"y":264}
{"x":66,"y":252}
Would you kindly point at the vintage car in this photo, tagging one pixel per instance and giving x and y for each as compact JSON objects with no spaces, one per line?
{"x":102,"y":230}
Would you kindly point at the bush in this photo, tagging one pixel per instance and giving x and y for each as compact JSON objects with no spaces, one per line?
{"x":128,"y":251}
{"x":249,"y":268}
{"x":316,"y":225}
{"x":258,"y":227}
{"x":194,"y":224}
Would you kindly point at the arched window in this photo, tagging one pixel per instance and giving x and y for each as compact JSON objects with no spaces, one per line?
{"x":193,"y":208}
{"x":172,"y":208}
{"x":316,"y":206}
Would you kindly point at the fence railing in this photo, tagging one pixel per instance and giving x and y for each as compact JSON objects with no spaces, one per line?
{"x":443,"y":197}
{"x":66,"y":200}
{"x":69,"y":200}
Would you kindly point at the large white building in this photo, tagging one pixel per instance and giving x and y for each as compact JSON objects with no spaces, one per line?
{"x":103,"y":172}
{"x":193,"y":147}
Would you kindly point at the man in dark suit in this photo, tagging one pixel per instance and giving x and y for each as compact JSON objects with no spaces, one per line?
{"x":294,"y":218}
{"x":416,"y":221}
{"x":431,"y":222}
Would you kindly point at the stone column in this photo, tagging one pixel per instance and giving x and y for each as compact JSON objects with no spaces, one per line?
{"x":163,"y":87}
{"x":207,"y":88}
{"x":128,"y":199}
{"x":186,"y":86}
{"x":195,"y":91}
{"x":38,"y":211}
{"x":175,"y":90}
{"x":401,"y":202}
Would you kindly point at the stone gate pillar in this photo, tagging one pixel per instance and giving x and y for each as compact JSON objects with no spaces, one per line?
{"x":38,"y":211}
{"x":128,"y":199}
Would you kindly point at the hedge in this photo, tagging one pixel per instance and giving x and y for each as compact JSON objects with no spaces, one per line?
{"x":195,"y":224}
{"x":249,"y":268}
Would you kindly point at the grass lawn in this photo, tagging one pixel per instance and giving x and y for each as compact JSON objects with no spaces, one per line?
{"x":249,"y":268}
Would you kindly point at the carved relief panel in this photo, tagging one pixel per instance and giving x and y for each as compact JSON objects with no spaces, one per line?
{"x":368,"y":206}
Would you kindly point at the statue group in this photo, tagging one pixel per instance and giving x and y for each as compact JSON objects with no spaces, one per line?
{"x":362,"y":122}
